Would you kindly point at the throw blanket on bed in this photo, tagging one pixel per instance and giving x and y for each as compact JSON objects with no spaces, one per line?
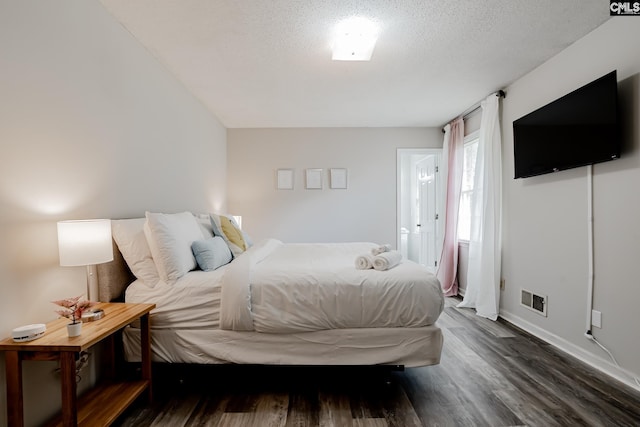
{"x":283,"y":288}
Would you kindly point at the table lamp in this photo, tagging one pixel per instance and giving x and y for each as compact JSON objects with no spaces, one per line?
{"x":85,"y":242}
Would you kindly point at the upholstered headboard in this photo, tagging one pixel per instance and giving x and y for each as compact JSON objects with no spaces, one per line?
{"x":113,"y":278}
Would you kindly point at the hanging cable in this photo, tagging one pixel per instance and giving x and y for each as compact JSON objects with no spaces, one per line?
{"x":81,"y":363}
{"x":590,"y":337}
{"x":589,"y":247}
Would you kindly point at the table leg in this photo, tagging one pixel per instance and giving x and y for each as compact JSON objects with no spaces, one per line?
{"x":13,"y":366}
{"x":68,"y":383}
{"x":145,"y":351}
{"x":110,"y":364}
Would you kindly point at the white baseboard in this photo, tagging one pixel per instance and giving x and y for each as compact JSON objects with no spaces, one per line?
{"x":461,"y":291}
{"x":600,"y":364}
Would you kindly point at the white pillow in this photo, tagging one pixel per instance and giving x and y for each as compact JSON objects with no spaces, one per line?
{"x":205,"y":224}
{"x":129,"y":236}
{"x":170,"y":237}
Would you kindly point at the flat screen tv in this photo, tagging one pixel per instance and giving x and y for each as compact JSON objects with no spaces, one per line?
{"x":579,"y":129}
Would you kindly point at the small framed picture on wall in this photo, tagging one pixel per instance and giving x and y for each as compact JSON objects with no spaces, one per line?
{"x":338,"y":178}
{"x":285,"y":179}
{"x":314,"y":179}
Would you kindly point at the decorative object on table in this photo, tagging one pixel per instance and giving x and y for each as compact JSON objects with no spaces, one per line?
{"x":73,"y":308}
{"x":85,"y":242}
{"x":92,"y":315}
{"x":28,"y":332}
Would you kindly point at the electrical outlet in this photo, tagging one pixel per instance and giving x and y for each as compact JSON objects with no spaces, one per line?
{"x":596,"y":319}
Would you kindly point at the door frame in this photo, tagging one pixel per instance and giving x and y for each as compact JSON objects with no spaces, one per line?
{"x":400,"y":152}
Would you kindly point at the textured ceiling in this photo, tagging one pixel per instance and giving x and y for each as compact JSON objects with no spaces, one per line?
{"x":267,"y":63}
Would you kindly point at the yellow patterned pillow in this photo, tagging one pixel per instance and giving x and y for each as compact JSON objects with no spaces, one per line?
{"x":233,"y":234}
{"x":224,"y":227}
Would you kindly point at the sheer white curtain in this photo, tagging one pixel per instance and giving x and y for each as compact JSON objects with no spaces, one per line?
{"x":452,"y":159}
{"x":483,"y":278}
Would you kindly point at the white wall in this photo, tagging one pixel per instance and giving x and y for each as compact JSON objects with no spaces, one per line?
{"x":90,"y":126}
{"x":365,"y":211}
{"x":545,"y":224}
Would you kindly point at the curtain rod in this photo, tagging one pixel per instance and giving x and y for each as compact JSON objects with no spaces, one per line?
{"x":476,"y":106}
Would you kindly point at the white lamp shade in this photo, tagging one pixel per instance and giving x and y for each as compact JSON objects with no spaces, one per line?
{"x":84,"y":242}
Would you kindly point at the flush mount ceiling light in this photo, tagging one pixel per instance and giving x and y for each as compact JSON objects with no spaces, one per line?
{"x":354,"y":40}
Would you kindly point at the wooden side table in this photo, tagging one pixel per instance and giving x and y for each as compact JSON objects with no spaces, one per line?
{"x":104,"y":403}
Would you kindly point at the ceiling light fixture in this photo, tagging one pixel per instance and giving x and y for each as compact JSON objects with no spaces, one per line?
{"x":355,"y":39}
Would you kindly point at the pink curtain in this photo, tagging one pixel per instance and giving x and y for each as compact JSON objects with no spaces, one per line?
{"x":453,"y":153}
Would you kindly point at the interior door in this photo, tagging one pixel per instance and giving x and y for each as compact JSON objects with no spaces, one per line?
{"x":419,"y":201}
{"x":426,"y":174}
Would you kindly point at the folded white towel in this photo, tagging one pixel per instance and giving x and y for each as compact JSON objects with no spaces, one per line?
{"x":364,"y":262}
{"x":381,"y":249}
{"x":387,"y":260}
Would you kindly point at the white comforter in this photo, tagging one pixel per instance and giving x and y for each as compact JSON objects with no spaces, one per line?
{"x":285,"y":288}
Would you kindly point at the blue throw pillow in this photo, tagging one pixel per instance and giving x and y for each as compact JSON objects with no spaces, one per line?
{"x":211,"y":253}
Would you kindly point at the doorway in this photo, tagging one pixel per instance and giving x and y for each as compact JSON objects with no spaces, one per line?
{"x":419,"y":204}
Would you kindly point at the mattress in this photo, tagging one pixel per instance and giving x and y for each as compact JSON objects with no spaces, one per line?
{"x":192,"y":302}
{"x":296,"y":288}
{"x":295,"y":304}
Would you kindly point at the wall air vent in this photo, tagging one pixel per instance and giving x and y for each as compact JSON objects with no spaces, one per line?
{"x":534,"y":302}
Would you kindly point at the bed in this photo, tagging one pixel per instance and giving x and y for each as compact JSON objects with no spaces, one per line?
{"x":273,"y":303}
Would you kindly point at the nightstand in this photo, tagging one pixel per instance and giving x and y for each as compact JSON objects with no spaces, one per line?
{"x":104,"y":403}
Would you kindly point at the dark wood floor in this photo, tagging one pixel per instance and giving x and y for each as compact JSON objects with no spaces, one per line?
{"x":491,"y":374}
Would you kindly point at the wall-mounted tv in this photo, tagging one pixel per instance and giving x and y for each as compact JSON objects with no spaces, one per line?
{"x":579,"y":129}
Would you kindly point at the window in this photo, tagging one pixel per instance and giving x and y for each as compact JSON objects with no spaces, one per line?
{"x":466,"y":191}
